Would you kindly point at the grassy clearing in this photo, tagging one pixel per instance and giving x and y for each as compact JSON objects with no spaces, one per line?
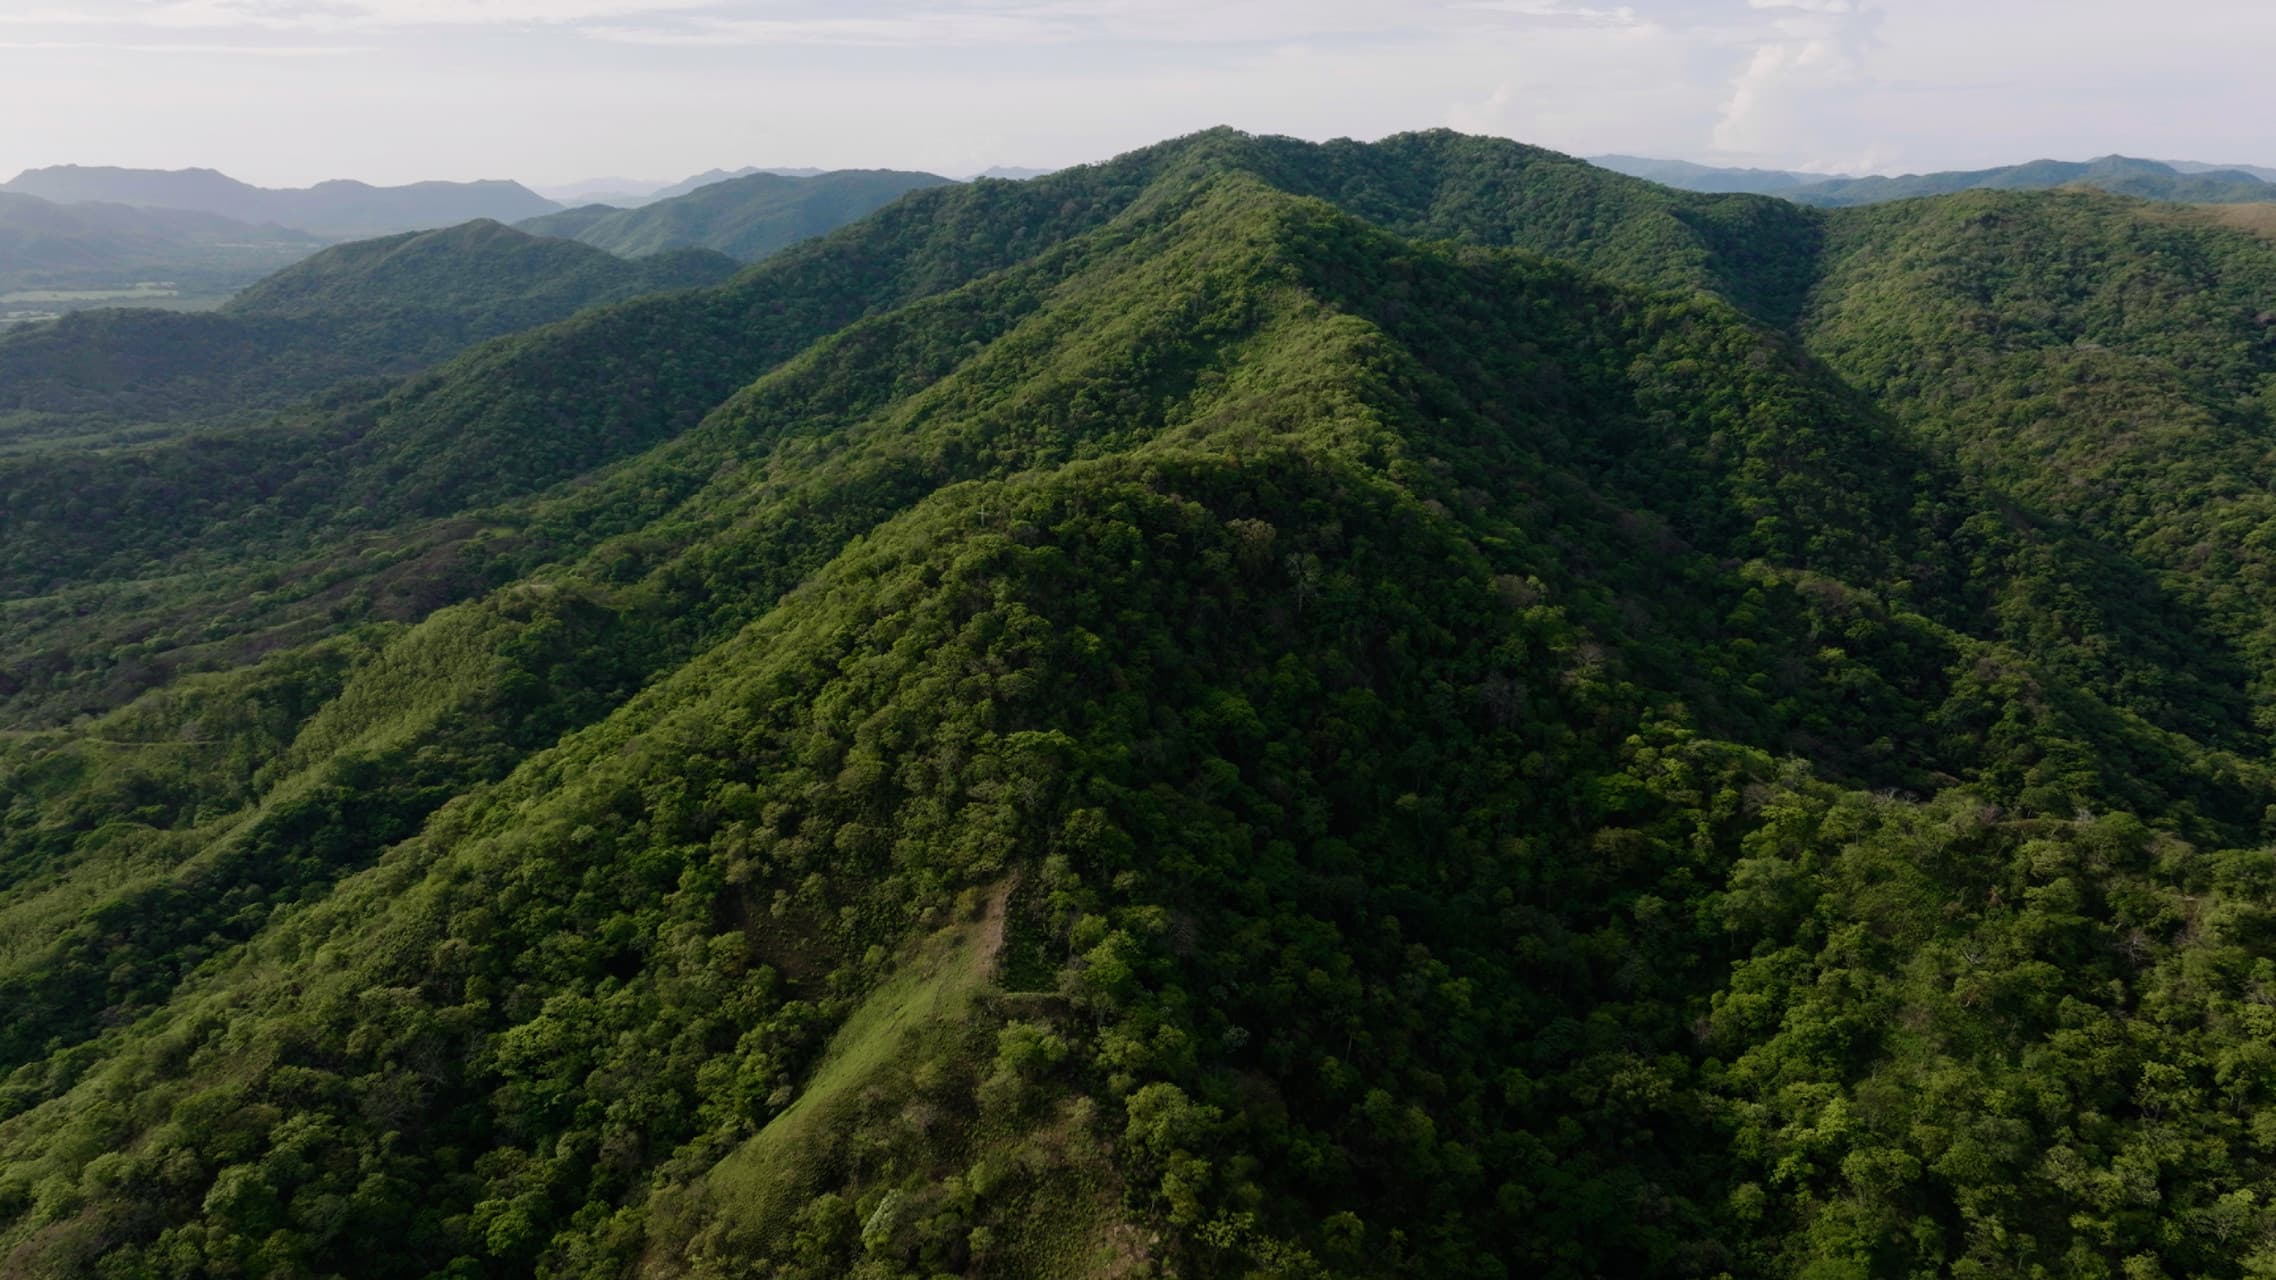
{"x":784,"y":1163}
{"x":932,"y":1000}
{"x":935,"y":1017}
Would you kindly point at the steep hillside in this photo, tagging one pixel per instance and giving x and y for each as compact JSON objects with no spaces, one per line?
{"x":515,"y":418}
{"x":745,"y":217}
{"x":358,"y":310}
{"x":1411,"y":709}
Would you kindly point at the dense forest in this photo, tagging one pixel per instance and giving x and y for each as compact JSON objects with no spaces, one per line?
{"x":1256,"y":709}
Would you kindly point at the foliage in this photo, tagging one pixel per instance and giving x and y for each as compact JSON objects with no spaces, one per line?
{"x":1409,"y":709}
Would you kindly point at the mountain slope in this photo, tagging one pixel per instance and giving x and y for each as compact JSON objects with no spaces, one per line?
{"x":745,"y":217}
{"x":338,"y":209}
{"x":1409,"y":709}
{"x":494,"y":427}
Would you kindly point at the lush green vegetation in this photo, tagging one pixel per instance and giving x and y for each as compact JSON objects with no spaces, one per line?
{"x":1414,"y":709}
{"x":746,"y":218}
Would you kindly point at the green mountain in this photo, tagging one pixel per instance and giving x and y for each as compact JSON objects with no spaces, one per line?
{"x":364,"y":309}
{"x":97,"y":247}
{"x":338,"y":209}
{"x":745,"y":217}
{"x":1408,"y":709}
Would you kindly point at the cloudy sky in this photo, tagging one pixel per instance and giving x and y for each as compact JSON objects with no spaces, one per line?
{"x":291,"y":91}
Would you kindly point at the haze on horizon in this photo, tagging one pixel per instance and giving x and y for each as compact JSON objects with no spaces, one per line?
{"x":288,"y":92}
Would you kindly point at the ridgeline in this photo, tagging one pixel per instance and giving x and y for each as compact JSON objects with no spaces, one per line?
{"x":1408,"y":709}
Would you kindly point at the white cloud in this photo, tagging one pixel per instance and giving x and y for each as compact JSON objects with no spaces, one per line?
{"x":1812,"y":55}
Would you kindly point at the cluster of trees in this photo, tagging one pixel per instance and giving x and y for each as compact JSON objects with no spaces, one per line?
{"x":1413,"y":709}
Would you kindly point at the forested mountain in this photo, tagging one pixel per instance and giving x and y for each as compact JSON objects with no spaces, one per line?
{"x":337,"y":210}
{"x":48,"y":246}
{"x":745,"y":217}
{"x":1257,"y":709}
{"x":364,"y":309}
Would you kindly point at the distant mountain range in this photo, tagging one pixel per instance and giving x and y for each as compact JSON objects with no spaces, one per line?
{"x":1699,"y":177}
{"x":2188,"y":181}
{"x":745,"y":217}
{"x":632,"y":193}
{"x":334,"y":210}
{"x":44,"y":245}
{"x":713,"y":177}
{"x":2263,"y":172}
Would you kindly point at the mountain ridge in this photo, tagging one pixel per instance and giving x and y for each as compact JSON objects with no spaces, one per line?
{"x":1412,"y":708}
{"x":2122,"y":175}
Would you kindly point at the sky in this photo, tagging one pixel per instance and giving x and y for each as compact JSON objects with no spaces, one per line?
{"x":287,"y":92}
